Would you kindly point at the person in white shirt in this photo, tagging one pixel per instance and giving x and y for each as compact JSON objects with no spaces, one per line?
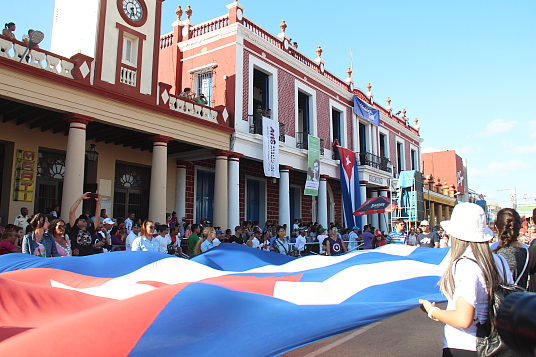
{"x":129,"y":222}
{"x":22,"y":219}
{"x":254,"y":240}
{"x":135,"y":233}
{"x":474,"y":273}
{"x":320,"y":239}
{"x":300,"y":241}
{"x":163,"y":238}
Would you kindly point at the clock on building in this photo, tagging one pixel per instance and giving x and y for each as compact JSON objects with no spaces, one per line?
{"x":134,"y":12}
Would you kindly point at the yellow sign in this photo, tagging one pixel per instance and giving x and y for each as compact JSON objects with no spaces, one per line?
{"x":24,"y":184}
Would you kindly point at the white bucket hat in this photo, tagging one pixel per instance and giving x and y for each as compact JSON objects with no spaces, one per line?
{"x":468,"y":223}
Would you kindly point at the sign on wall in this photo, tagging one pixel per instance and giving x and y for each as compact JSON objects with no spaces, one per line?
{"x":270,"y":148}
{"x":313,"y":166}
{"x":24,"y":183}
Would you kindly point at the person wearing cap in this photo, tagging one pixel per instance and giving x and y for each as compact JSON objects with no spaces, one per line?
{"x":472,"y":276}
{"x":300,"y":240}
{"x":353,"y":238}
{"x":427,"y":238}
{"x":398,"y":236}
{"x":254,"y":239}
{"x":104,"y":235}
{"x":134,"y":233}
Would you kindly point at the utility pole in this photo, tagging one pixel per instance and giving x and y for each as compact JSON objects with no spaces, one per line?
{"x":513,"y":196}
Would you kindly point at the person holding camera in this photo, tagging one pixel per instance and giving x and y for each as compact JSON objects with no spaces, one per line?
{"x":472,"y":276}
{"x":81,"y":231}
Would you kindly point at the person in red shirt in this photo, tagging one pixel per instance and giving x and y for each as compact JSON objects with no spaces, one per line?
{"x":7,"y":244}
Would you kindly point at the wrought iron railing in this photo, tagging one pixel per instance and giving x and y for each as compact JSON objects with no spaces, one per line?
{"x":378,"y":162}
{"x":255,"y":126}
{"x":301,"y":140}
{"x":282,"y":132}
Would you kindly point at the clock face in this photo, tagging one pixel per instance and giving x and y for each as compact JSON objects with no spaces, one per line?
{"x":133,"y":9}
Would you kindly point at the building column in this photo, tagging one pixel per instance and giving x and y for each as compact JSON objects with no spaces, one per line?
{"x":73,"y":179}
{"x":322,"y":209}
{"x":221,"y":193}
{"x":384,"y":217}
{"x":234,"y":189}
{"x":448,"y":211}
{"x":284,"y":197}
{"x":374,"y":220}
{"x":432,"y":214}
{"x":363,"y":194}
{"x":180,"y":190}
{"x":439,"y":213}
{"x":157,"y":194}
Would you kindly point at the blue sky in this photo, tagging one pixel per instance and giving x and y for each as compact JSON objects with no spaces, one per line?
{"x":465,"y":69}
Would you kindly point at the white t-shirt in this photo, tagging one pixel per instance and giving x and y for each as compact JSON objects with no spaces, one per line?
{"x":164,"y":241}
{"x":321,"y":238}
{"x":469,"y":283}
{"x":130,"y":238}
{"x":255,"y":243}
{"x":300,"y":243}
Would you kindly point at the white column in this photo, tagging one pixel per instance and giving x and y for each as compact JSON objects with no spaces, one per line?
{"x":363,"y":194}
{"x":322,"y":208}
{"x":180,"y":190}
{"x":234,"y":190}
{"x":374,"y":217}
{"x":73,"y":179}
{"x":221,"y":197}
{"x":284,"y":197}
{"x":157,"y":194}
{"x":384,"y":217}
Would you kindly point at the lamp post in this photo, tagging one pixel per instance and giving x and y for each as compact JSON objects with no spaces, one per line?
{"x":92,"y":154}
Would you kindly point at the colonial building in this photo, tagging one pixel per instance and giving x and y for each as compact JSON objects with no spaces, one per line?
{"x":116,"y":88}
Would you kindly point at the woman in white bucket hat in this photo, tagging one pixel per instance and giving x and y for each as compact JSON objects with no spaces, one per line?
{"x":472,"y":275}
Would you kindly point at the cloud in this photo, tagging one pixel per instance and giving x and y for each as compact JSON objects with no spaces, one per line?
{"x":496,"y":169}
{"x":533,"y":128}
{"x":466,"y":151}
{"x":525,"y":149}
{"x":495,"y":127}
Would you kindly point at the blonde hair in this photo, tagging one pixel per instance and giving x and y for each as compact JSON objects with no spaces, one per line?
{"x":205,"y":234}
{"x":484,"y":258}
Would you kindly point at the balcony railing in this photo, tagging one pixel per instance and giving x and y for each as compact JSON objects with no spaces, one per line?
{"x":378,"y":162}
{"x":301,"y":140}
{"x":255,"y":126}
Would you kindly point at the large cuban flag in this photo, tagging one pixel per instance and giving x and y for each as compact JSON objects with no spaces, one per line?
{"x":351,"y":197}
{"x":230,"y":301}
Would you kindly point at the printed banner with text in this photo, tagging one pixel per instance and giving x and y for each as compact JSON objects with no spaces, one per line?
{"x":366,"y":112}
{"x":270,"y":137}
{"x":313,"y":166}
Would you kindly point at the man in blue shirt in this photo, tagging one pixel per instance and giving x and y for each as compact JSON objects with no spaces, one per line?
{"x":398,"y":236}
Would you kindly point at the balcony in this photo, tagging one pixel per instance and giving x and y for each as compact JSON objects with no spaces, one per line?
{"x":255,"y":127}
{"x":369,"y":159}
{"x":301,"y":140}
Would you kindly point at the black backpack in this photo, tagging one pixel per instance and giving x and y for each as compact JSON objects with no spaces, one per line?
{"x":489,"y":343}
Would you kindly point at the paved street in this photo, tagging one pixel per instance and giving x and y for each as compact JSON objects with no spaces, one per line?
{"x":409,"y":334}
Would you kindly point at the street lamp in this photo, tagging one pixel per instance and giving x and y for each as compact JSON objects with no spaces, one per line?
{"x":92,"y":154}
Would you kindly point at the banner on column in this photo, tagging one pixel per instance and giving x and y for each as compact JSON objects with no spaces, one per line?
{"x":313,"y":166}
{"x":270,"y":137}
{"x":351,"y":197}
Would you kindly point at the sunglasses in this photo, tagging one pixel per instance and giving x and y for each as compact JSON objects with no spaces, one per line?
{"x":335,"y":230}
{"x":150,"y":227}
{"x":62,"y":226}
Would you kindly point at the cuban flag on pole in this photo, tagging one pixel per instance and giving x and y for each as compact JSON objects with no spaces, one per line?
{"x":351,"y":197}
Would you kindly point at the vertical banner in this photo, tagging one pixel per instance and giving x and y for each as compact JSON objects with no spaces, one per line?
{"x":25,"y":166}
{"x":313,"y":166}
{"x":270,"y":148}
{"x":351,"y":196}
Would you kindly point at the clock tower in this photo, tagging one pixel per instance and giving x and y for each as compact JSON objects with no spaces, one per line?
{"x":122,"y":36}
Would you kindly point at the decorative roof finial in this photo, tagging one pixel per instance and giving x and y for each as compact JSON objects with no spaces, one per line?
{"x":417,"y":126}
{"x":283,"y":26}
{"x":388,"y":107}
{"x":369,"y":86}
{"x":178,"y":12}
{"x":349,"y":72}
{"x":404,"y":113}
{"x":319,"y":52}
{"x":188,"y":12}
